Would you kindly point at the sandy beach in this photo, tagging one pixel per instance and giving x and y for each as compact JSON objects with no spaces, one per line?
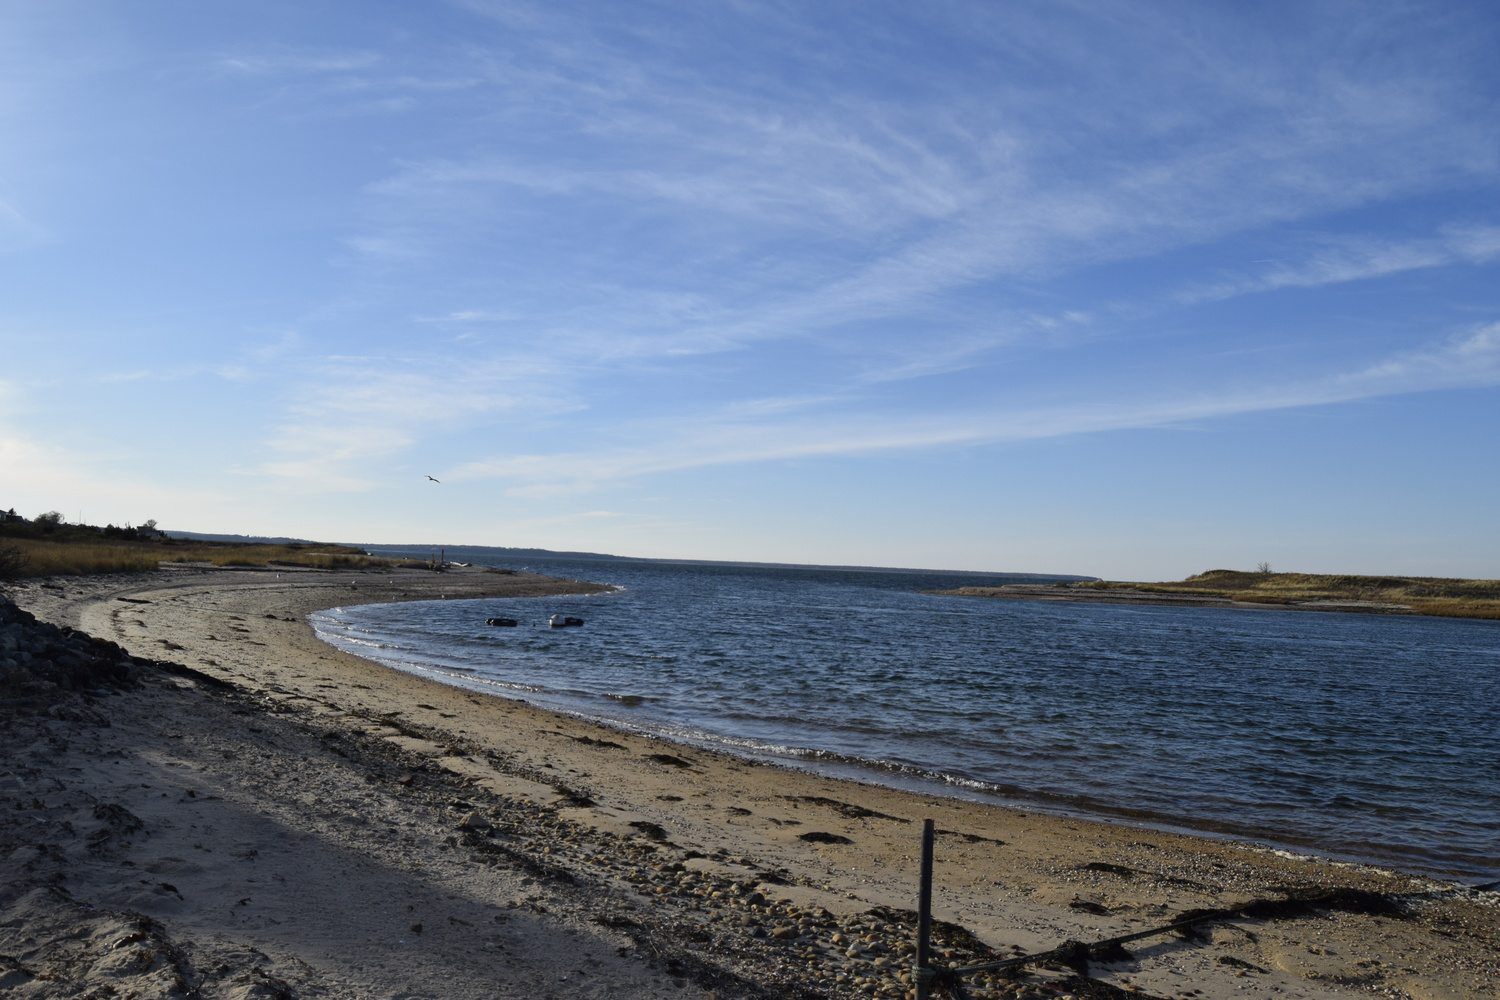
{"x":286,"y":820}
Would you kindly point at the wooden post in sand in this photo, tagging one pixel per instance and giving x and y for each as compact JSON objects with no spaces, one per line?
{"x":922,"y":973}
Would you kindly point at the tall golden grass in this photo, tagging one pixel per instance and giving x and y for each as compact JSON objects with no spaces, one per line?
{"x":1447,"y":597}
{"x":53,"y":559}
{"x":41,"y":557}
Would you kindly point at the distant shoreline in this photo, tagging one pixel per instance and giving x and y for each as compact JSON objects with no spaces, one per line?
{"x":501,"y":552}
{"x":1028,"y":592}
{"x":1437,"y":597}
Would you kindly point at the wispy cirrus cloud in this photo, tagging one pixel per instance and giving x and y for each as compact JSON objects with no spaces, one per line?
{"x":733,"y":437}
{"x":1361,"y":258}
{"x":360,"y":410}
{"x":814,"y":173}
{"x":1471,"y":358}
{"x":913,"y":205}
{"x":639,"y":211}
{"x":298,"y":61}
{"x":579,"y":247}
{"x":460,"y":316}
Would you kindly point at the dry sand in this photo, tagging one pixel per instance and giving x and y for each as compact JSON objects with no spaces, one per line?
{"x":312,"y":824}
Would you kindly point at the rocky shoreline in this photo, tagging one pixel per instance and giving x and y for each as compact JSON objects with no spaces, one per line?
{"x":51,"y":670}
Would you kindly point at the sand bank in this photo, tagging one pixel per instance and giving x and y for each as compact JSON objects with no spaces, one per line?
{"x":315,"y":824}
{"x":1128,"y":595}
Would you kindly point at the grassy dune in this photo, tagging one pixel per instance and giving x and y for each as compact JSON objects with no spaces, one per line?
{"x":1428,"y":595}
{"x":72,"y":555}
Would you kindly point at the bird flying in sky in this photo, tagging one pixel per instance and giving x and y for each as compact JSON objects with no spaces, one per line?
{"x":435,"y":480}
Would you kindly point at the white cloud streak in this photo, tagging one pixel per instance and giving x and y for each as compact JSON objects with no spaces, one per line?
{"x":817,"y":216}
{"x":601,"y":204}
{"x":1361,"y":259}
{"x":1471,"y":359}
{"x":358,"y":411}
{"x":298,"y":62}
{"x":895,"y":206}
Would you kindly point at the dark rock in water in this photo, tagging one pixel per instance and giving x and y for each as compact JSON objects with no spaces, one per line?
{"x":502,"y":622}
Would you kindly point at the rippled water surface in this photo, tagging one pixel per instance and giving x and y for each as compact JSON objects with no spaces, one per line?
{"x":1359,"y":735}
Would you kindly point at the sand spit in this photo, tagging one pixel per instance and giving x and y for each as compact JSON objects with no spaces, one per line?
{"x":1127,"y":595}
{"x":281,"y":819}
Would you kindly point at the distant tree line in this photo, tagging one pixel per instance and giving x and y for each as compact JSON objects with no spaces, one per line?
{"x":51,"y":524}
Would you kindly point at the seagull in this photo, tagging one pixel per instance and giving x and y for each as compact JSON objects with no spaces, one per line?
{"x":438,"y":481}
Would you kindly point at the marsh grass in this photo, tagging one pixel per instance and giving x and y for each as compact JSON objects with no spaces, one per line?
{"x":314,"y":556}
{"x":57,"y":559}
{"x":74,"y":557}
{"x":1428,"y":595}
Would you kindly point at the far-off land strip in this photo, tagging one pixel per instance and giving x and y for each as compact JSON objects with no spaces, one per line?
{"x":246,"y":811}
{"x":1264,"y":590}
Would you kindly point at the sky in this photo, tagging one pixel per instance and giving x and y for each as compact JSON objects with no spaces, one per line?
{"x":1126,"y":289}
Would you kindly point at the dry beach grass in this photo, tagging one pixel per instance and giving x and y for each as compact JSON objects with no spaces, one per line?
{"x":314,"y":824}
{"x":44,"y":557}
{"x":1439,"y":596}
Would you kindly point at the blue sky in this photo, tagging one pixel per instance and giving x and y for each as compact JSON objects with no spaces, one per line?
{"x":1128,"y":289}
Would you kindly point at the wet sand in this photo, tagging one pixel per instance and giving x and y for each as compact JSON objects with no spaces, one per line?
{"x":320,"y":825}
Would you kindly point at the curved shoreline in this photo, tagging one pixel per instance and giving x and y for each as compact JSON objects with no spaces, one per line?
{"x":408,"y":642}
{"x":1012,"y":877}
{"x":912,"y":780}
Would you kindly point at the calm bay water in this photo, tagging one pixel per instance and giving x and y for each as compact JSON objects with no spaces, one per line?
{"x":1363,"y":736}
